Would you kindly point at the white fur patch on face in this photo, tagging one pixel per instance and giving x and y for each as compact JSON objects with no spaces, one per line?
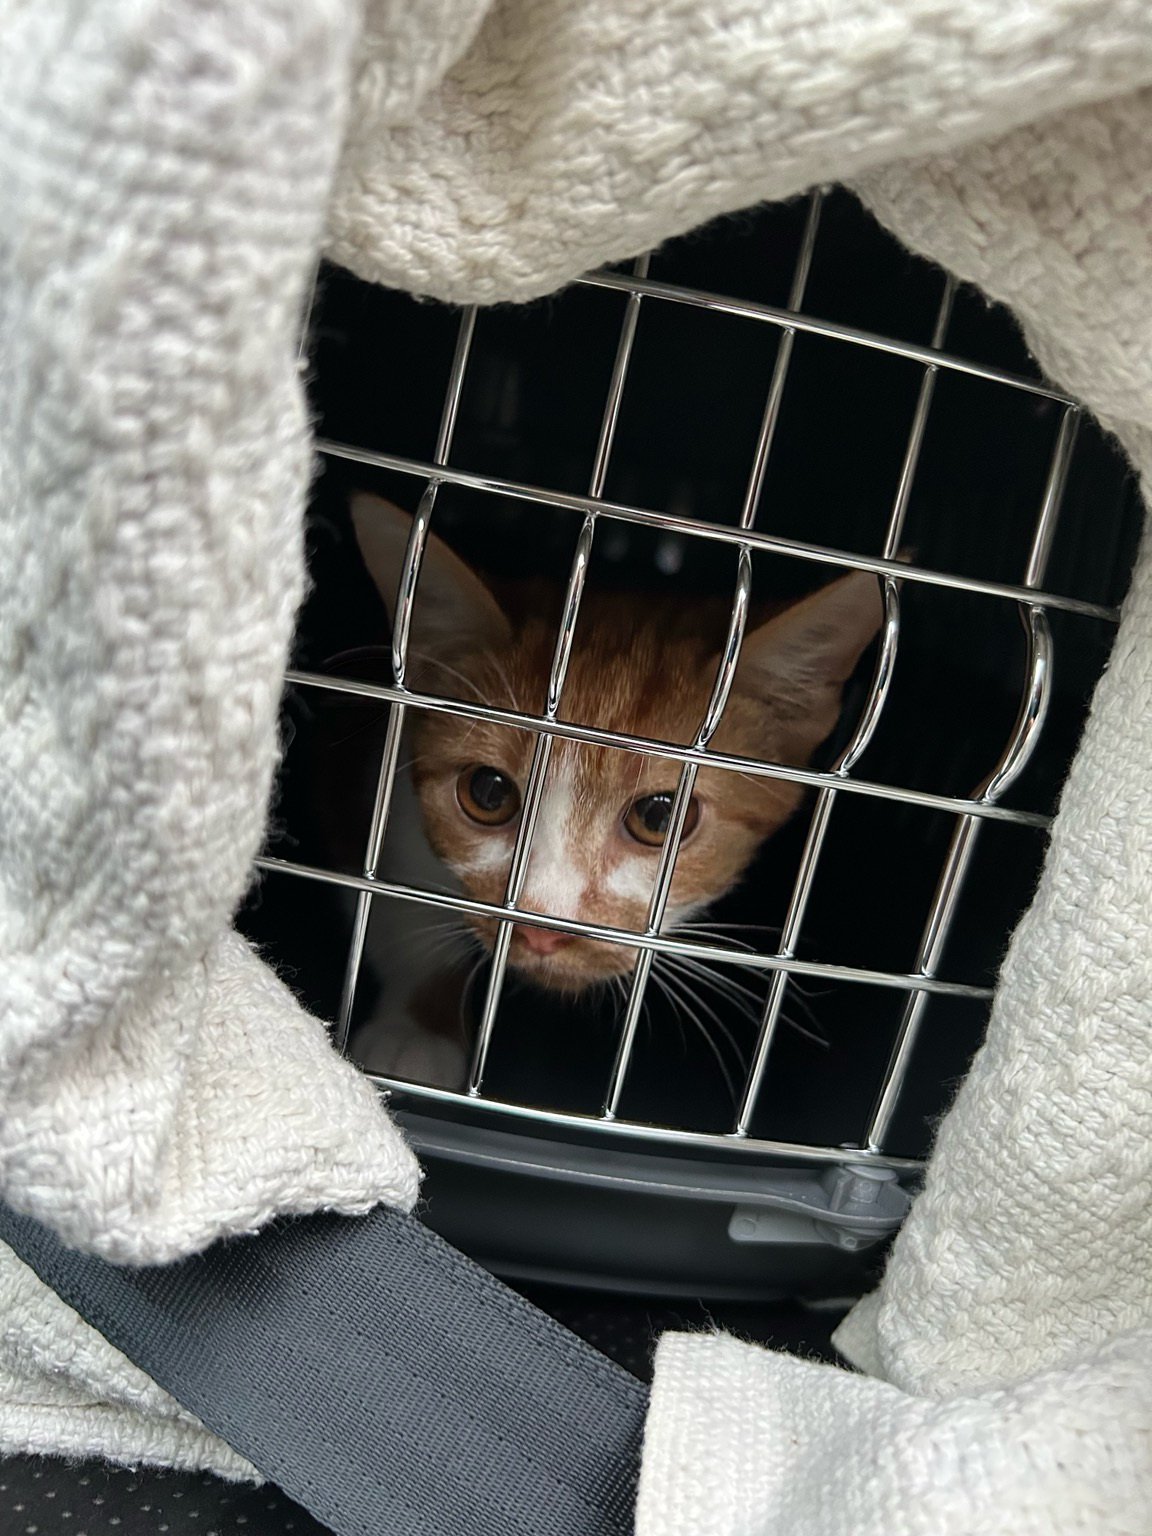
{"x":673,"y":915}
{"x":632,"y":879}
{"x":490,"y":855}
{"x":554,"y":883}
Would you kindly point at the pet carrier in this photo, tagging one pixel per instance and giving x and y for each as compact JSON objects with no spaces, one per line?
{"x":747,"y":412}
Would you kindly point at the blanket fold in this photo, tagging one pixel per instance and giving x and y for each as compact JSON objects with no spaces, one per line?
{"x":743,"y":1441}
{"x":568,"y":135}
{"x":164,"y":171}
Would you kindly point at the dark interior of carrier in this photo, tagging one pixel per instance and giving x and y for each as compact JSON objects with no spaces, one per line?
{"x":530,"y":410}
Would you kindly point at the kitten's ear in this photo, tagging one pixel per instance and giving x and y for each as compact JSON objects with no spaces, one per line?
{"x":453,"y":607}
{"x":799,"y":661}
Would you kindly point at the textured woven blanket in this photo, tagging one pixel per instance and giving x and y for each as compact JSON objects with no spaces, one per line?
{"x":165,"y":173}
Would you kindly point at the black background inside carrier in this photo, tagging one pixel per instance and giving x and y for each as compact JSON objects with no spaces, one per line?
{"x":530,"y":411}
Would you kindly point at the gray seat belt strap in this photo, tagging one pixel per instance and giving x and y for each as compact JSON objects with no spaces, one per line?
{"x":379,"y":1377}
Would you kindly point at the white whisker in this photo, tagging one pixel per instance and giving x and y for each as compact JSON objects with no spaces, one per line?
{"x":674,"y":1002}
{"x":686,"y":983}
{"x":815,"y":1034}
{"x":452,"y":672}
{"x":806,"y":1008}
{"x":441,"y":947}
{"x":727,"y":985}
{"x":725,"y":934}
{"x":728,"y":927}
{"x":722,"y":983}
{"x":685,"y":1010}
{"x":723,"y":940}
{"x":502,"y":673}
{"x":469,"y":981}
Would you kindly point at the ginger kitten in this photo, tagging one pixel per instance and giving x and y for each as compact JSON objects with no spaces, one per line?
{"x":640,"y":664}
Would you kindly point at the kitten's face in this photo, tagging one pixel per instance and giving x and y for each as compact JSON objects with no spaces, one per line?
{"x":640,"y":665}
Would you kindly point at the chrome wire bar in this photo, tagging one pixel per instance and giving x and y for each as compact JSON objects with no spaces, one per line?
{"x":816,"y":778}
{"x":542,"y":750}
{"x":983,"y":805}
{"x":749,"y":309}
{"x":783,"y":360}
{"x":1022,"y":743}
{"x":665,"y":868}
{"x":861,"y":736}
{"x":772,"y":544}
{"x":725,"y":675}
{"x":530,"y":813}
{"x":1053,"y":497}
{"x":401,"y":628}
{"x":662,"y":943}
{"x":791,"y":1151}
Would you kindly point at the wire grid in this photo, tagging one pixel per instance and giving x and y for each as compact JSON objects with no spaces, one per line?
{"x":971,"y":813}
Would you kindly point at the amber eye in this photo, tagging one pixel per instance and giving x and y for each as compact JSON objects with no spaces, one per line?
{"x":487,"y":796}
{"x":647,"y":819}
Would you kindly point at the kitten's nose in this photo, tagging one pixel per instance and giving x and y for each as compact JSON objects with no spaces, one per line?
{"x":541,"y":941}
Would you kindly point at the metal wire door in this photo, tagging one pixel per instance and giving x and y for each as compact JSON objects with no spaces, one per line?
{"x":999,"y":802}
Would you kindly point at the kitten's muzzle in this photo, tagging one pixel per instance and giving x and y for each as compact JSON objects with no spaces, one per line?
{"x":557,"y":961}
{"x":565,"y":962}
{"x":539,"y":941}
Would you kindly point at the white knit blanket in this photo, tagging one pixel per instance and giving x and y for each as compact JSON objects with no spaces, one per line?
{"x":163,"y":175}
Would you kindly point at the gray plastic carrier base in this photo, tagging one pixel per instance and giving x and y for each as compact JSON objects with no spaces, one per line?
{"x":641,"y":1222}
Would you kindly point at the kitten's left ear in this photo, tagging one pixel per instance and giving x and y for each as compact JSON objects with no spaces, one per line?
{"x":799,"y":661}
{"x":453,"y":608}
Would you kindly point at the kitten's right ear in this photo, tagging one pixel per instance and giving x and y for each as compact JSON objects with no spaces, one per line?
{"x":452,"y":608}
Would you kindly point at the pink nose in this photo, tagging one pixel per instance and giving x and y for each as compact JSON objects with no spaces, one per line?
{"x":541,"y":941}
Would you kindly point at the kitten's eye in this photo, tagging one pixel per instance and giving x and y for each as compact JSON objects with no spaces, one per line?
{"x":647,"y":819}
{"x":487,"y":796}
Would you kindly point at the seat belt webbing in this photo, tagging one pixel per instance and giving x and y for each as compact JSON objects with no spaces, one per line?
{"x":382,"y":1379}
